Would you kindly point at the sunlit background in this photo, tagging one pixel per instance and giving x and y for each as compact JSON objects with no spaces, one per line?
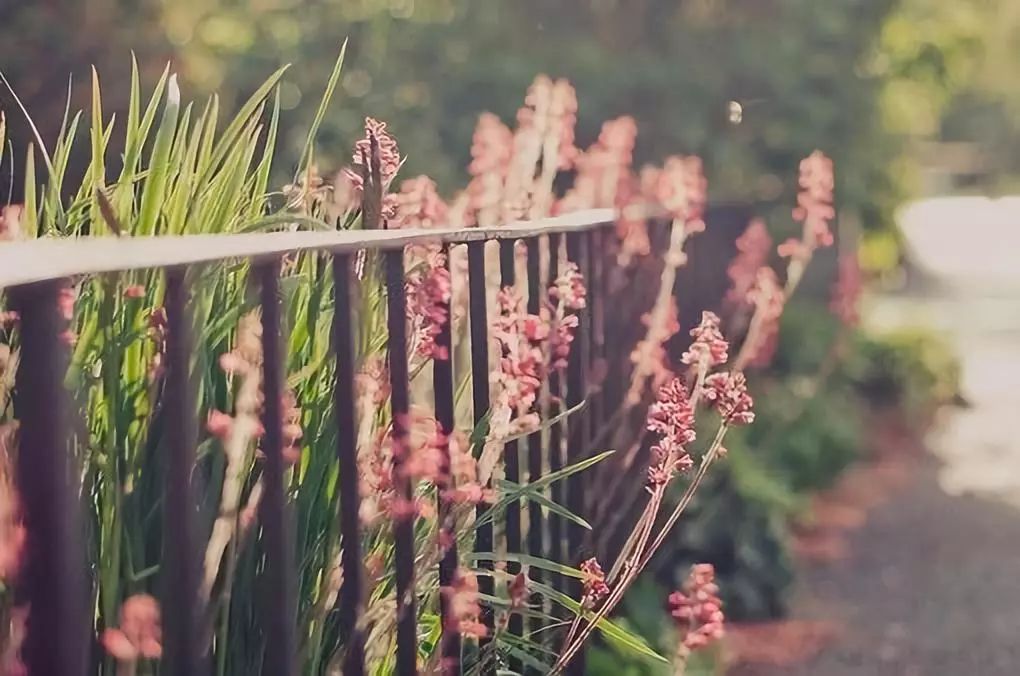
{"x":917,"y":102}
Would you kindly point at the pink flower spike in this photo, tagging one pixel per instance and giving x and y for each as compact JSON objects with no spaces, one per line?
{"x":709,"y":346}
{"x":727,"y":392}
{"x":697,"y":609}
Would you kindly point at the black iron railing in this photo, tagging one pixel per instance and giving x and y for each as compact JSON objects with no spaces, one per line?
{"x":33,"y":273}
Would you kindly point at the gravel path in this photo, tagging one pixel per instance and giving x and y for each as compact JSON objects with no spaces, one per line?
{"x":931,"y":588}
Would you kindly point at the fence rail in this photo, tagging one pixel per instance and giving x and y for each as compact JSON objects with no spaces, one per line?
{"x":58,"y":640}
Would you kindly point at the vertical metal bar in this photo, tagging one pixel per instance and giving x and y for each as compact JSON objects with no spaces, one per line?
{"x":442,"y":381}
{"x":351,"y":602}
{"x":512,"y":458}
{"x":180,"y":553}
{"x":52,"y":573}
{"x":595,"y":281}
{"x":557,"y":542}
{"x":279,"y":616}
{"x":403,"y":526}
{"x":578,"y":426}
{"x":480,"y":396}
{"x":535,"y":451}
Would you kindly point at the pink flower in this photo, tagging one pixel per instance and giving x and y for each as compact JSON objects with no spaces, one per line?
{"x":464,"y":608}
{"x":768,"y":299}
{"x":697,"y":609}
{"x":8,"y":318}
{"x":140,"y":633}
{"x":418,"y":204}
{"x":568,"y":288}
{"x":519,"y":336}
{"x":10,"y":222}
{"x":219,"y":424}
{"x":709,"y":346}
{"x":727,"y":392}
{"x":671,"y":417}
{"x":814,"y":208}
{"x":14,"y":635}
{"x":491,"y":147}
{"x":13,"y":535}
{"x":134,"y":291}
{"x":462,"y":485}
{"x":752,"y":254}
{"x":593,"y":583}
{"x":681,"y":189}
{"x":389,"y":154}
{"x":517,"y":590}
{"x":428,"y":289}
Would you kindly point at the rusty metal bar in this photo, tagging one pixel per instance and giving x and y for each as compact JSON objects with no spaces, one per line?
{"x":279,"y":617}
{"x":512,"y":458}
{"x":578,"y":427}
{"x":480,"y":398}
{"x":403,"y":524}
{"x":181,"y":619}
{"x":52,"y":573}
{"x":351,"y":601}
{"x":536,"y":459}
{"x":442,"y":381}
{"x":557,"y":541}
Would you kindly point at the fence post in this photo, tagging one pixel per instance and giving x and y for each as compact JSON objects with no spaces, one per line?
{"x":280,"y":608}
{"x":53,"y":577}
{"x":351,"y":602}
{"x":180,"y":554}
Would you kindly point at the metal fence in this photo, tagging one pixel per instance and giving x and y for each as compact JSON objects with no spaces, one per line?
{"x":32,"y":273}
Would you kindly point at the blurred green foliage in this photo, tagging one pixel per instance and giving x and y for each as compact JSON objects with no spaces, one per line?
{"x":750,"y":85}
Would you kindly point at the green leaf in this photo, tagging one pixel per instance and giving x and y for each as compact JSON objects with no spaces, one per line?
{"x":612,"y":632}
{"x":156,"y":184}
{"x":546,"y":424}
{"x":526,"y":560}
{"x":563,"y":473}
{"x":334,"y":77}
{"x":240,"y":121}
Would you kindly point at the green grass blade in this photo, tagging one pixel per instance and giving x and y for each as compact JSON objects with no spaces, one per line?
{"x":28,"y":119}
{"x":159,"y":169}
{"x":30,"y":219}
{"x":309,"y":150}
{"x":610,"y":630}
{"x":526,"y":560}
{"x":240,"y":121}
{"x":98,"y":160}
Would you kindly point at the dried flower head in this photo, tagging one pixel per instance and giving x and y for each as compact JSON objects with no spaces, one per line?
{"x":593,"y":583}
{"x":388,"y":157}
